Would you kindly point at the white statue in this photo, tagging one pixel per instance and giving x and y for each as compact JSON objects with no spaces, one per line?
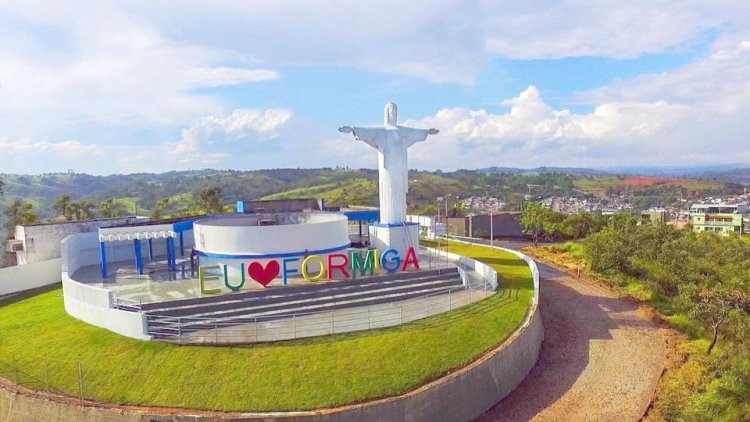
{"x":391,"y":141}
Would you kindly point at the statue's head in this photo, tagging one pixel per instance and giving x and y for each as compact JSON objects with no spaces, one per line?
{"x":390,"y":114}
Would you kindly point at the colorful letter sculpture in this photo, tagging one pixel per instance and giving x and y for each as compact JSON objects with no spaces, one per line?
{"x":313,"y":268}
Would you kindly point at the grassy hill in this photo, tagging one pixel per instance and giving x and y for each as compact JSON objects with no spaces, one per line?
{"x":358,"y":191}
{"x":602,"y":185}
{"x":337,"y":186}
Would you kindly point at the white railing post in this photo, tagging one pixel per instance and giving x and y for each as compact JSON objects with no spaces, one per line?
{"x":294,"y":324}
{"x":333,"y":329}
{"x":179,"y":330}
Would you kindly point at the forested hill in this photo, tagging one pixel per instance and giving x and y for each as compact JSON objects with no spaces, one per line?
{"x":146,"y":189}
{"x":177,"y":191}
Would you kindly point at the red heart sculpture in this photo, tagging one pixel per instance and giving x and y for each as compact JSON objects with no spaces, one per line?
{"x":263,"y":275}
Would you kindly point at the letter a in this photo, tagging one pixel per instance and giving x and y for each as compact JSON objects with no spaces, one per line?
{"x":411,"y":258}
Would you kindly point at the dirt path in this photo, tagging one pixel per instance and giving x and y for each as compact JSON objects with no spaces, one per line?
{"x":601,"y":358}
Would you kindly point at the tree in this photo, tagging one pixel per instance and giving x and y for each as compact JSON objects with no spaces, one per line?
{"x":81,"y":210}
{"x":581,"y":224}
{"x":156,"y":214}
{"x":430,"y":209}
{"x":18,"y":213}
{"x":713,"y":305}
{"x":209,"y":200}
{"x":62,"y":205}
{"x":1,"y":186}
{"x":109,"y":208}
{"x":538,"y":221}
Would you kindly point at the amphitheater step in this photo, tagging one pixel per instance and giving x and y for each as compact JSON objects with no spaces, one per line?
{"x":185,"y":316}
{"x":332,"y":291}
{"x":295,"y":291}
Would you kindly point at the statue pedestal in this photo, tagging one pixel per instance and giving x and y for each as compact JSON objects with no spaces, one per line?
{"x":399,"y":237}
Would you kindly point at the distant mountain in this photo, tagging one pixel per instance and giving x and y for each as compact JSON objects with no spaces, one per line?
{"x":564,"y":170}
{"x":703,"y":171}
{"x":736,"y":172}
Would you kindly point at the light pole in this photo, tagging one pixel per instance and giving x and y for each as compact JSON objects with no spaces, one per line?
{"x":471,"y":217}
{"x":446,"y":204}
{"x":492,"y":230}
{"x":437,"y":221}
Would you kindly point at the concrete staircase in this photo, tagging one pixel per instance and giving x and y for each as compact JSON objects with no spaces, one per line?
{"x":165,"y":319}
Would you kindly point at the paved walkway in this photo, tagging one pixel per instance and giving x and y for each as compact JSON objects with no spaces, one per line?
{"x":601,"y":358}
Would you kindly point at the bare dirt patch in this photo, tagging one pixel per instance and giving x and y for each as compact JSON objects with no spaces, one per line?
{"x":602,"y":357}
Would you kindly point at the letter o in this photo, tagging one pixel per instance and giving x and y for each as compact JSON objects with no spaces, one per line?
{"x":307,"y":275}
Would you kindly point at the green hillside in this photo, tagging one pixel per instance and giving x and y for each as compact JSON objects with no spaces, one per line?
{"x":338,"y":187}
{"x":356,"y":191}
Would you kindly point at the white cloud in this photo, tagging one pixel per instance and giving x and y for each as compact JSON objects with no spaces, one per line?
{"x":74,"y":66}
{"x":437,"y":41}
{"x":446,"y":41}
{"x":605,"y":28}
{"x":695,"y":114}
{"x":223,"y":76}
{"x":131,"y":82}
{"x":242,"y":128}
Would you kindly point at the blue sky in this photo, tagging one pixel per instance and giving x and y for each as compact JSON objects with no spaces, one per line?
{"x":111,"y":87}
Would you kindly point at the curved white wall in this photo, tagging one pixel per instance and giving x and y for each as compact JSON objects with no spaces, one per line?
{"x":92,"y":304}
{"x":242,"y":236}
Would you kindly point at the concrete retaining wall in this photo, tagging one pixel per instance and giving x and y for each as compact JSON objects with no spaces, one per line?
{"x":92,"y":304}
{"x":29,"y":276}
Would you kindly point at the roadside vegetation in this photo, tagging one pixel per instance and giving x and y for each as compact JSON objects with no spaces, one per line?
{"x":40,"y":346}
{"x":700,"y":282}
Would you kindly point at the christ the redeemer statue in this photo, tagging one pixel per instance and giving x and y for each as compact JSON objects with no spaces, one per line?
{"x":391,"y":141}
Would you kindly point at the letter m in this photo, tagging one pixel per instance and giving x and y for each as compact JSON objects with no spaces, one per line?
{"x":363,"y":265}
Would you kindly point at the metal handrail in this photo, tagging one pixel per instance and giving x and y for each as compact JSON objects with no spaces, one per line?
{"x":127,"y":304}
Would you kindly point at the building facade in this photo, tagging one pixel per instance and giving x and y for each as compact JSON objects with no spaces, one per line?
{"x":718,"y":218}
{"x":41,"y":241}
{"x":654,"y":216}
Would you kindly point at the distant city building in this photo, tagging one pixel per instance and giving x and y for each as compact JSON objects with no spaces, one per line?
{"x":718,"y":218}
{"x":654,"y":216}
{"x":505,"y":224}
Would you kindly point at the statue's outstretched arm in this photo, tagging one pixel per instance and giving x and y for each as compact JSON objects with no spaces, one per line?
{"x":372,"y":136}
{"x":410,"y":136}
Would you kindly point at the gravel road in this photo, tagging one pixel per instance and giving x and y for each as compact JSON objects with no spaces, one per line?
{"x":601,"y":358}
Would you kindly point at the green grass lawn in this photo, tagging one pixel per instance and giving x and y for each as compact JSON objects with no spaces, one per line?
{"x":45,"y":343}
